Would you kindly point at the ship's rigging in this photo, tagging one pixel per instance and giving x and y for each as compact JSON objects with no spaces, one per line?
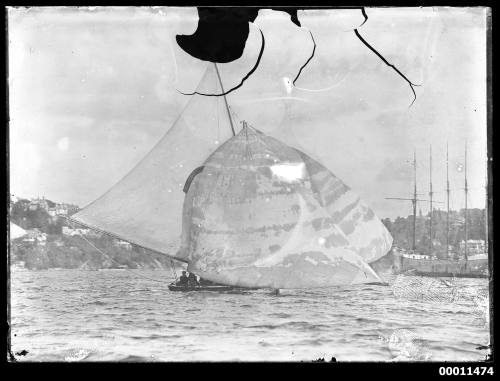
{"x":449,"y":219}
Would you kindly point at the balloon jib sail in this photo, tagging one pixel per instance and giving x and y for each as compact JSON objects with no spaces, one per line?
{"x":254,"y":213}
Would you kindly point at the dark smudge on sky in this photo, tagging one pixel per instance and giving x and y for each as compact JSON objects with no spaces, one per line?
{"x":222,"y":33}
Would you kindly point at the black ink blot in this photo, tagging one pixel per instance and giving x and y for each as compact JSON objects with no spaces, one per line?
{"x":221,"y":34}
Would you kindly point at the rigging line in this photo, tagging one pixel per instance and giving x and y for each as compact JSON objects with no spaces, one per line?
{"x":248,"y":150}
{"x":310,"y":58}
{"x":174,"y":59}
{"x":172,"y":266}
{"x":111,"y":259}
{"x":72,"y":222}
{"x":217,"y":113}
{"x":234,"y":113}
{"x":388,"y":64}
{"x":242,"y":80}
{"x":225,"y":99}
{"x":218,"y":123}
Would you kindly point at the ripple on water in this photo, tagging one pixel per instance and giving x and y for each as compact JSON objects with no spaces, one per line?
{"x":280,"y":315}
{"x":134,"y":358}
{"x":96,"y":303}
{"x":131,"y":319}
{"x":314,"y":342}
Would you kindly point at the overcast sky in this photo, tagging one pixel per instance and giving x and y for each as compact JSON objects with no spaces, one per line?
{"x":92,"y":91}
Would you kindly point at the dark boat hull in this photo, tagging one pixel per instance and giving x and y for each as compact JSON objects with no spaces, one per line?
{"x":173,"y":287}
{"x":211,"y":287}
{"x":451,"y":275}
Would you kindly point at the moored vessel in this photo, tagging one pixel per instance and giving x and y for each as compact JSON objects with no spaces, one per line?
{"x":469,"y":260}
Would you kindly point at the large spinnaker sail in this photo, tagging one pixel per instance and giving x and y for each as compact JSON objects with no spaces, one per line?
{"x":366,"y":234}
{"x":145,"y":207}
{"x":261,"y":214}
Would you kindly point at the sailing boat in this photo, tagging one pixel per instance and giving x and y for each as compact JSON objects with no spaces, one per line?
{"x":255,"y":212}
{"x":426,"y":263}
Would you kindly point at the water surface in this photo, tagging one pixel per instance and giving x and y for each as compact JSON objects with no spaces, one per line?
{"x":76,"y":315}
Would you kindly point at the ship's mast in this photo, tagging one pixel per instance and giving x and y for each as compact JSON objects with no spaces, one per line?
{"x":447,"y":206}
{"x":414,"y":200}
{"x":465,"y":211}
{"x":225,"y":100}
{"x":486,"y":209}
{"x":430,"y":199}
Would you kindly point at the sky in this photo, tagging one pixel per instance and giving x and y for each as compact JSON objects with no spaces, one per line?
{"x":91,"y":91}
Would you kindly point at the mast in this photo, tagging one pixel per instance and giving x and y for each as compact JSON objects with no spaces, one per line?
{"x":225,"y":100}
{"x":486,"y":209}
{"x":430,"y":198}
{"x":465,"y":211}
{"x":414,"y":200}
{"x":447,"y":205}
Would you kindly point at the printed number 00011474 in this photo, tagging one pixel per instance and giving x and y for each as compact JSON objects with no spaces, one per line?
{"x":465,"y":371}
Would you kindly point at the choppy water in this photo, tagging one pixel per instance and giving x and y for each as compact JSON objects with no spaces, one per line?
{"x":75,"y":315}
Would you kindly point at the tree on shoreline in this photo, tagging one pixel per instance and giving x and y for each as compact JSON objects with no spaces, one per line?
{"x":401,"y":229}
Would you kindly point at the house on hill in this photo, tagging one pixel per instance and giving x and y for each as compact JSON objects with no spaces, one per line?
{"x":474,"y":246}
{"x":66,"y":209}
{"x":36,"y":237}
{"x":122,"y":244}
{"x":23,"y":203}
{"x":74,"y":232}
{"x":81,"y":231}
{"x":39,"y":203}
{"x":61,"y":210}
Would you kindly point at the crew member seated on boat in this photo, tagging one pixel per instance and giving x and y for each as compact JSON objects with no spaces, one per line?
{"x":183,"y":280}
{"x":192,"y":281}
{"x":204,"y":282}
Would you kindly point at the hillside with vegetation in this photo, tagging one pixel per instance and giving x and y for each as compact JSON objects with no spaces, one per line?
{"x":402,"y":229}
{"x":58,"y":250}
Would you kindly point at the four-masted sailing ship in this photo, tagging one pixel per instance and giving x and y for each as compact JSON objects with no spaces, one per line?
{"x":241,"y":208}
{"x":470,"y":260}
